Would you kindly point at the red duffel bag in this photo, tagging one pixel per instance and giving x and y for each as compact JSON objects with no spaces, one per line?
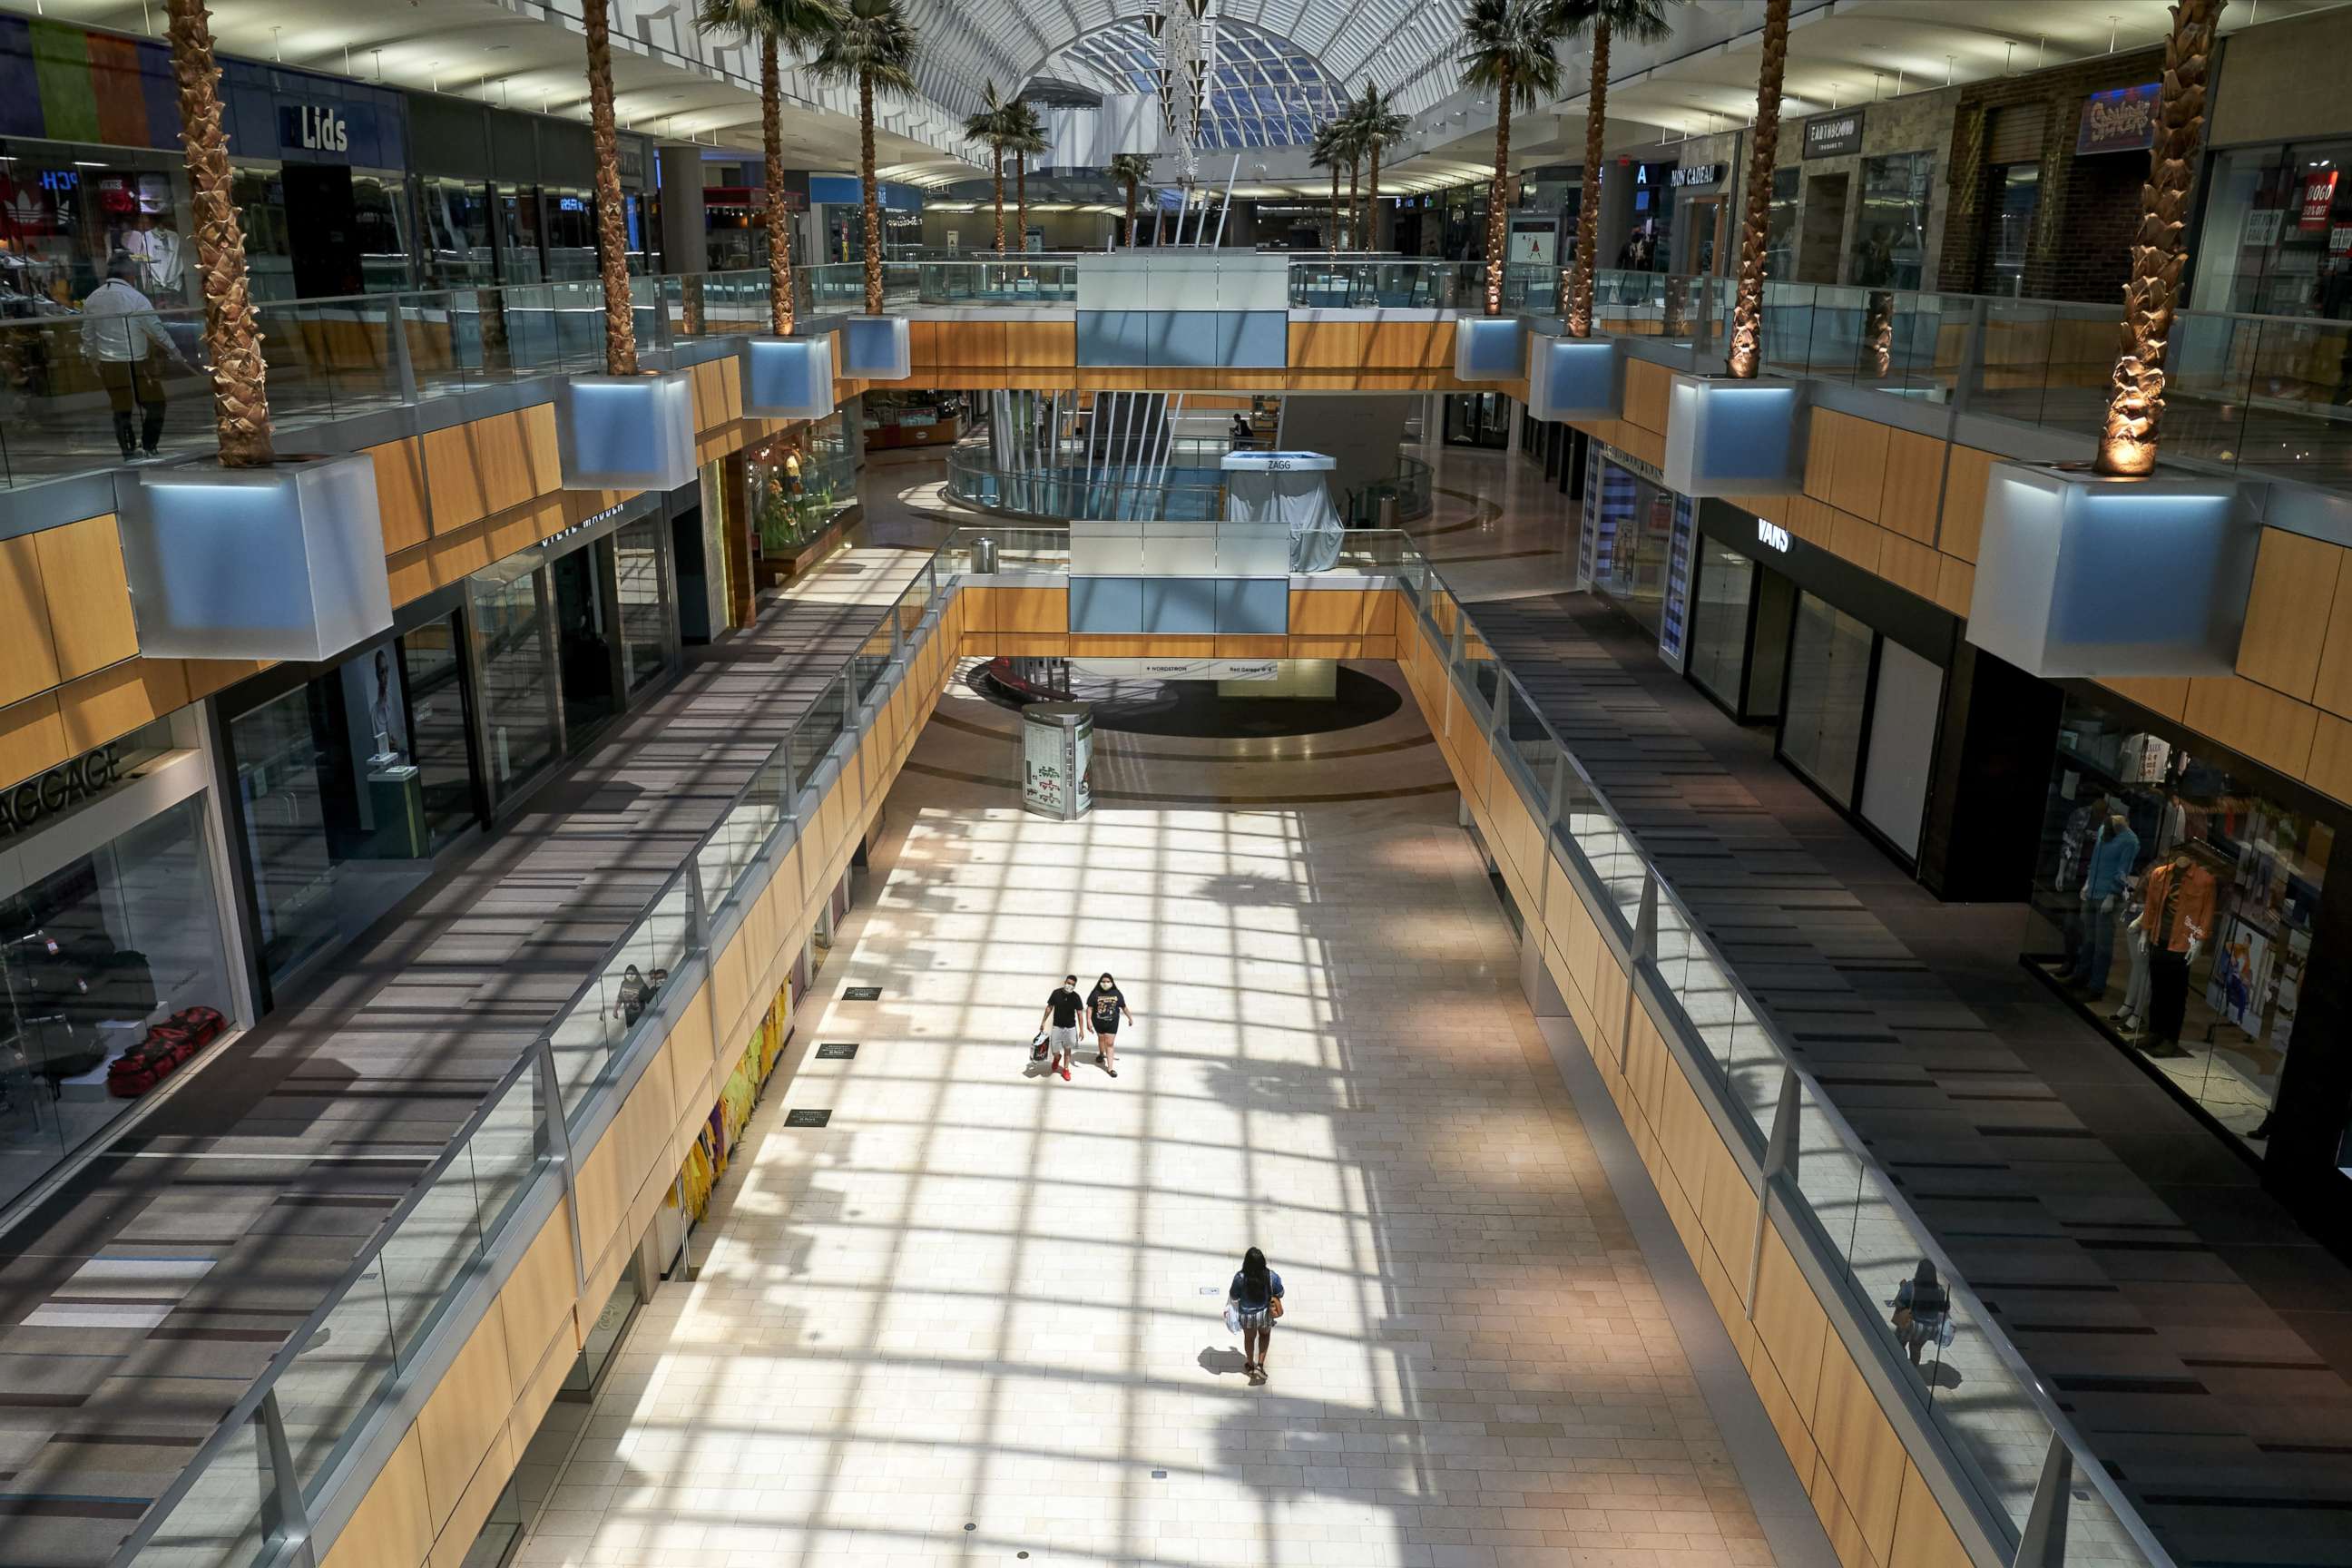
{"x":165,"y":1046}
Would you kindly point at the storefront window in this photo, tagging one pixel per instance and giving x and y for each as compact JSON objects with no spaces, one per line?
{"x":333,"y":808}
{"x":799,"y":484}
{"x":2177,"y":903}
{"x":641,"y":570}
{"x":1829,"y":685}
{"x":1718,"y":657}
{"x":517,"y":696}
{"x":1642,"y":518}
{"x":91,"y":952}
{"x":2017,"y":201}
{"x":64,"y":209}
{"x":2278,"y":233}
{"x":518,"y":259}
{"x":454,"y":221}
{"x":1781,"y":227}
{"x":1890,"y":242}
{"x":570,"y":235}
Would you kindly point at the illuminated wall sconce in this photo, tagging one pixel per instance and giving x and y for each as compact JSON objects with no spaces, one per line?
{"x":788,"y":378}
{"x":1731,"y":438}
{"x":876,"y":348}
{"x":625,"y":431}
{"x":1575,"y":378}
{"x":2084,"y":576}
{"x":1489,"y":348}
{"x":282,"y":562}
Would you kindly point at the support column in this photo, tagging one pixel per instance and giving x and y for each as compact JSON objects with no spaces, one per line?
{"x":686,"y":248}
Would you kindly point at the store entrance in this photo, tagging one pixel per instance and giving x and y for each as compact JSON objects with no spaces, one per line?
{"x":1478,"y":419}
{"x":322,"y":230}
{"x":589,"y":659}
{"x":347,"y":785}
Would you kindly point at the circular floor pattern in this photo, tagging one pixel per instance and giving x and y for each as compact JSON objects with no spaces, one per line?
{"x":1191,"y":709}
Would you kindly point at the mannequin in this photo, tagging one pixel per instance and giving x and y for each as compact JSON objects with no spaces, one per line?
{"x":2175,"y":919}
{"x":2132,"y":1017}
{"x":2109,"y":870}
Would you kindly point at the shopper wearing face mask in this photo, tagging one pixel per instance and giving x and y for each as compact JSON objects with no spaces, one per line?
{"x":1105,"y":1005}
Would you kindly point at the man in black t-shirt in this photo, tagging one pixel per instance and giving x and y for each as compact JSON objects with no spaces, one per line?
{"x":1062,"y":1010}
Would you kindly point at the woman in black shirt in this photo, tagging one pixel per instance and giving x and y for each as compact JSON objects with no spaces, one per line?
{"x":1106,"y":1005}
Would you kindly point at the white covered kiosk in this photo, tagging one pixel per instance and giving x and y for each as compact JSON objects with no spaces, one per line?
{"x":1289,"y":488}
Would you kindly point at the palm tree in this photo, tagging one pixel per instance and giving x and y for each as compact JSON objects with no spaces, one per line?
{"x":1507,"y":51}
{"x":988,"y":128}
{"x":1024,"y":136}
{"x":232,"y":332}
{"x":1131,"y":169}
{"x":1746,"y":354}
{"x":2136,"y":391}
{"x":1645,"y":21}
{"x":773,"y":24}
{"x":1378,"y":123}
{"x":612,"y":238}
{"x":1328,"y":152}
{"x":874,"y":46}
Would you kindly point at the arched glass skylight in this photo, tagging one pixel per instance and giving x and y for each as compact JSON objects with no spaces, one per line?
{"x":1264,"y":90}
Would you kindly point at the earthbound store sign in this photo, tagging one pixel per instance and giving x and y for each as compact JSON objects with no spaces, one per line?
{"x":1833,"y":136}
{"x":2120,"y":120}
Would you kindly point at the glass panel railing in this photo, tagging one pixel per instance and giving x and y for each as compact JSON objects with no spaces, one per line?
{"x":226,"y":1519}
{"x":1967,"y":1380}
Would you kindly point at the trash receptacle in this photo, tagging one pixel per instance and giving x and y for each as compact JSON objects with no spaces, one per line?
{"x":983,"y":557}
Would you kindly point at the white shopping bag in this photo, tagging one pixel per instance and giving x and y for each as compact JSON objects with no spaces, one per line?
{"x":1233,"y":1320}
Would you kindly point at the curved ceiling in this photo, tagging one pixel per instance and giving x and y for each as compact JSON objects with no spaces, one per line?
{"x":1264,"y":91}
{"x":1389,"y":41}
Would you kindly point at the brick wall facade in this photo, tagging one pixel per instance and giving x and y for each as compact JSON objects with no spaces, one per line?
{"x":2079,"y":245}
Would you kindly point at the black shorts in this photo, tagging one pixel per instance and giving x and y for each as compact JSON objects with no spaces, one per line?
{"x":1109,"y":1032}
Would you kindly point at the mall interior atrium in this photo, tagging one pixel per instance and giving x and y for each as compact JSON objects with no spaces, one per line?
{"x":770,"y":769}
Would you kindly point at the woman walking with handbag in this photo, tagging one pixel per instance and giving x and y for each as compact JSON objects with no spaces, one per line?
{"x":1256,"y":1298}
{"x":1921,"y":1305}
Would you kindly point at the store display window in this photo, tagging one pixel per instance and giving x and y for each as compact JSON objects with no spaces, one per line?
{"x":2277,"y":237}
{"x":1828,"y":692}
{"x":514,"y":646}
{"x":1636,"y":536}
{"x":94,"y":953}
{"x":1739,"y":632}
{"x":1891,"y":241}
{"x":800,"y":483}
{"x":2175,"y":902}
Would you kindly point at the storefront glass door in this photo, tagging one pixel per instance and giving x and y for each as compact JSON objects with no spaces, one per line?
{"x":1478,"y":419}
{"x":640,"y":571}
{"x":1828,"y":691}
{"x":331,"y":810}
{"x":590,"y":652}
{"x":519,"y":250}
{"x":440,"y":738}
{"x":1718,"y":655}
{"x":516,"y":661}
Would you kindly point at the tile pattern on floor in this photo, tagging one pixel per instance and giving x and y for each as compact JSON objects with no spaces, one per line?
{"x":982,"y":1295}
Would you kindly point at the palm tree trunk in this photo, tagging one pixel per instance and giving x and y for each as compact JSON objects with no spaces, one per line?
{"x":997,"y":156}
{"x":2128,"y":445}
{"x":612,"y":236}
{"x":779,"y":233}
{"x":1021,"y":200}
{"x":1577,"y":289}
{"x":1335,"y":209}
{"x":1497,"y":221}
{"x":240,"y":378}
{"x":1355,"y":200}
{"x":1372,"y":204}
{"x":1130,"y":212}
{"x":1747,"y":355}
{"x":871,"y":191}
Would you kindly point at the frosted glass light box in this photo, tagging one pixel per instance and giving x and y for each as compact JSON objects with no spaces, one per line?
{"x":788,"y":378}
{"x":282,"y":562}
{"x":1731,"y":438}
{"x":625,"y":431}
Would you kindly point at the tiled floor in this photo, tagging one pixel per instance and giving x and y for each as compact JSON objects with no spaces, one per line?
{"x":977,"y":1317}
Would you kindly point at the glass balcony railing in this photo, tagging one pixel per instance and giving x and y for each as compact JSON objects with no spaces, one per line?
{"x":2268,"y":395}
{"x":229,"y":1509}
